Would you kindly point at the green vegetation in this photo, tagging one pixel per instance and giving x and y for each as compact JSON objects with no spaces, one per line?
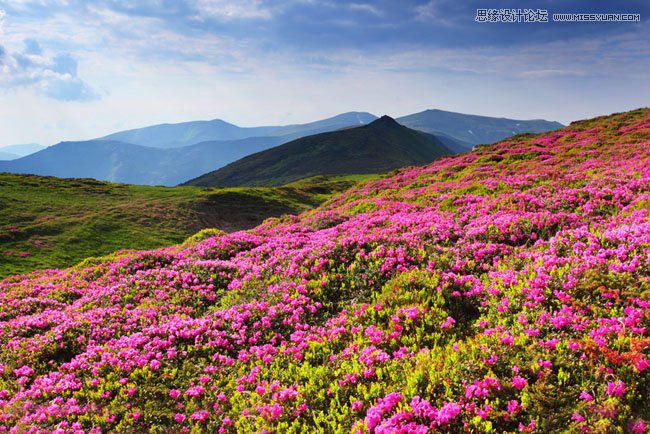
{"x":51,"y":222}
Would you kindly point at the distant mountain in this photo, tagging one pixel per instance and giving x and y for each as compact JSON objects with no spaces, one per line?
{"x":110,"y":160}
{"x":186,"y":133}
{"x":104,"y":160}
{"x":472,"y":130}
{"x":380,"y":146}
{"x":156,"y":157}
{"x":22,"y":150}
{"x":189,"y":133}
{"x":8,"y":155}
{"x":344,"y":120}
{"x":168,"y":154}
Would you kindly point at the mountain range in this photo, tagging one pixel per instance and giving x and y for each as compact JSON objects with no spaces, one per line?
{"x":378,"y":147}
{"x":472,"y":130}
{"x":189,"y":133}
{"x":169,"y":154}
{"x":116,"y":161}
{"x":11,"y":152}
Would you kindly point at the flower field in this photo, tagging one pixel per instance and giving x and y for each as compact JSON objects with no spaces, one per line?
{"x":502,"y":290}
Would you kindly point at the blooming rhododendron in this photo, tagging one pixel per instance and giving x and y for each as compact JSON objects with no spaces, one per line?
{"x":499,"y":290}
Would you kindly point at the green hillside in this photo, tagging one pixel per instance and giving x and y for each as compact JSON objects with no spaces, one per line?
{"x":502,"y":290}
{"x":53,"y":222}
{"x":378,"y":147}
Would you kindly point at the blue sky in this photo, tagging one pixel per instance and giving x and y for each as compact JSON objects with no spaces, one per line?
{"x":73,"y":69}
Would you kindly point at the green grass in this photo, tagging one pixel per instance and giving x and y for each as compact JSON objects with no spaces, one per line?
{"x":48,"y":222}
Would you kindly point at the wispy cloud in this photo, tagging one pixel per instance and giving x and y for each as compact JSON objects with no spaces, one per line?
{"x":229,"y":10}
{"x":52,"y":75}
{"x":366,"y":7}
{"x":165,"y":60}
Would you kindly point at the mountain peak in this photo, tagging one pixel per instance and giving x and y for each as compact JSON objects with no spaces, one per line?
{"x":378,"y":147}
{"x":385,"y":120}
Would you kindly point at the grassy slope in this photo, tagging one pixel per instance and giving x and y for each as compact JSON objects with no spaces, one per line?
{"x":502,"y":290}
{"x":51,"y":222}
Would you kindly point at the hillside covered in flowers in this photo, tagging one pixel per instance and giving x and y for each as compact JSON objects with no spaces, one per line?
{"x":502,"y":290}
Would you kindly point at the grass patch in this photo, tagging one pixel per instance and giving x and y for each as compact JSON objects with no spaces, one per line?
{"x":48,"y":222}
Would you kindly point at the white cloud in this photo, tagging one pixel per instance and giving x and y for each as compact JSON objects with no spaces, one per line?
{"x":365,"y":7}
{"x":426,"y":12}
{"x":54,"y":76}
{"x":232,"y":9}
{"x":547,"y":73}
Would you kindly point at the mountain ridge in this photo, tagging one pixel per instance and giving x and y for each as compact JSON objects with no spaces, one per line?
{"x":379,"y":146}
{"x":474,"y":129}
{"x":176,"y":135}
{"x":165,"y":163}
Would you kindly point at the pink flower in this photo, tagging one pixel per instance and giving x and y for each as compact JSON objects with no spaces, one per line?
{"x":577,"y":417}
{"x":642,"y":365}
{"x":195,"y":391}
{"x":586,"y":396}
{"x":616,"y":388}
{"x":519,"y":382}
{"x":527,"y":428}
{"x":174,"y":393}
{"x":513,"y":406}
{"x":447,"y":413}
{"x":637,"y":426}
{"x":200,"y":415}
{"x":178,"y":417}
{"x":357,"y":405}
{"x":448,"y":323}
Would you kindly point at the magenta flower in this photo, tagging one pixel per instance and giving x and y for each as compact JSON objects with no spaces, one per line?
{"x":448,"y":323}
{"x":200,"y":415}
{"x":577,"y":417}
{"x":519,"y":382}
{"x":586,"y":396}
{"x":616,"y":388}
{"x":195,"y":391}
{"x":638,"y":426}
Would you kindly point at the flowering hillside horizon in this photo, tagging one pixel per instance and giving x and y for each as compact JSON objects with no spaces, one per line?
{"x":506,"y":289}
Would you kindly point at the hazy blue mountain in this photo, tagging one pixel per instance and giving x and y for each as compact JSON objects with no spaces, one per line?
{"x":8,"y":155}
{"x":473,"y":129}
{"x":186,"y":133}
{"x":168,"y":154}
{"x":377,"y":147}
{"x":21,"y":150}
{"x":189,"y":133}
{"x":455,"y":146}
{"x":344,"y":120}
{"x":110,"y":160}
{"x":104,"y":160}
